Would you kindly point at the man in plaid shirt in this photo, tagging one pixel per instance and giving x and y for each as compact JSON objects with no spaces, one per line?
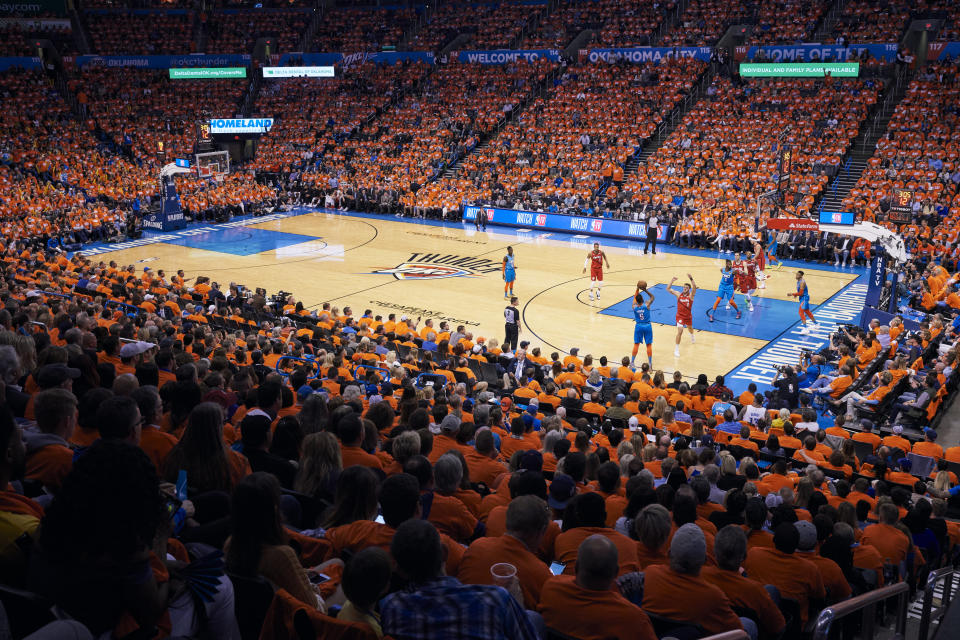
{"x":437,"y":606}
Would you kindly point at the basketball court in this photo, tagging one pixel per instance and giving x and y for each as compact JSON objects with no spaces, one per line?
{"x":452,"y":272}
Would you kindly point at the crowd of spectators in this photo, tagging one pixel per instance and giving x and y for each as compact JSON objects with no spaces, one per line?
{"x":313,"y":117}
{"x":141,"y":108}
{"x":873,"y":21}
{"x":576,"y":139}
{"x":145,"y":413}
{"x":353,"y":30}
{"x":383,"y":167}
{"x":17,"y":39}
{"x":494,"y":25}
{"x":238,"y":31}
{"x":725,"y":152}
{"x":156,"y":33}
{"x":704,"y":22}
{"x":787,"y":21}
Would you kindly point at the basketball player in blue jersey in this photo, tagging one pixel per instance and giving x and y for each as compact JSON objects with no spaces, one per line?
{"x":509,"y":272}
{"x":725,"y":291}
{"x":642,"y":330}
{"x":803,"y":296}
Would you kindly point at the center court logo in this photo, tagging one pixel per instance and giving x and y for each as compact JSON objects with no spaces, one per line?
{"x":435,"y":266}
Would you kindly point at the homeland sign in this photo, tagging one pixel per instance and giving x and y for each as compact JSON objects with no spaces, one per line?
{"x":240,"y":125}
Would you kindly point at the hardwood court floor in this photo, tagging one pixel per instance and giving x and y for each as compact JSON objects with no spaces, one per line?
{"x":453,"y":272}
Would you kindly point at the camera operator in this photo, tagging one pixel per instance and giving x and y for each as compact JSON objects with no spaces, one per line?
{"x":811,"y":365}
{"x":788,"y":389}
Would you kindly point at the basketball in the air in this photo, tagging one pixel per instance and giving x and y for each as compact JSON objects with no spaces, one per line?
{"x":642,"y":285}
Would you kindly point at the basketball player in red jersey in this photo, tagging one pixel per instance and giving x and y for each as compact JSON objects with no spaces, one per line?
{"x":747,"y":282}
{"x":760,"y":255}
{"x":684,"y":310}
{"x":595,"y":260}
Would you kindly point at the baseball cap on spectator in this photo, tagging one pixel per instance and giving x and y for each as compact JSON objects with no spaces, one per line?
{"x":897,"y":429}
{"x":304,"y":392}
{"x":621,"y":398}
{"x":562,"y":490}
{"x":506,"y":403}
{"x":808,"y":535}
{"x":450,"y":422}
{"x":467,"y":405}
{"x":52,"y":375}
{"x":773,"y":501}
{"x":532,"y":461}
{"x":132,"y":349}
{"x":386,"y":388}
{"x":690,"y":544}
{"x":633,"y":423}
{"x":477,"y":348}
{"x":371,"y":390}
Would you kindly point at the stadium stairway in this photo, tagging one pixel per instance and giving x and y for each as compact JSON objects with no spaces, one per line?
{"x":81,"y":38}
{"x":863,"y":146}
{"x":670,"y":22}
{"x":829,"y":22}
{"x":199,"y":33}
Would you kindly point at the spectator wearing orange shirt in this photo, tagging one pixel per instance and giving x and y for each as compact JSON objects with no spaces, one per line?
{"x":928,"y":446}
{"x":589,"y":606}
{"x":730,"y":550}
{"x":834,"y":579}
{"x":447,"y":513}
{"x":482,"y":459}
{"x":49,"y":456}
{"x":892,"y":543}
{"x":351,"y":436}
{"x":795,"y":577}
{"x":679,"y":592}
{"x":584,"y":516}
{"x":527,"y":520}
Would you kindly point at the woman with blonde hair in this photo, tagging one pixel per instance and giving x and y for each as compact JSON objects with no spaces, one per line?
{"x":659,"y":407}
{"x":940,"y":487}
{"x":320,"y":466}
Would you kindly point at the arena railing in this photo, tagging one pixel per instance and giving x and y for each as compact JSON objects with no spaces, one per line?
{"x":867,"y":605}
{"x":736,"y":634}
{"x":931,"y":613}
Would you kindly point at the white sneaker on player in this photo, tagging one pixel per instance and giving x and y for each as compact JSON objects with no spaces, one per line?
{"x":693,"y":339}
{"x":591,"y":296}
{"x":805,"y":331}
{"x":749,"y":307}
{"x":676,"y":352}
{"x":728,"y":307}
